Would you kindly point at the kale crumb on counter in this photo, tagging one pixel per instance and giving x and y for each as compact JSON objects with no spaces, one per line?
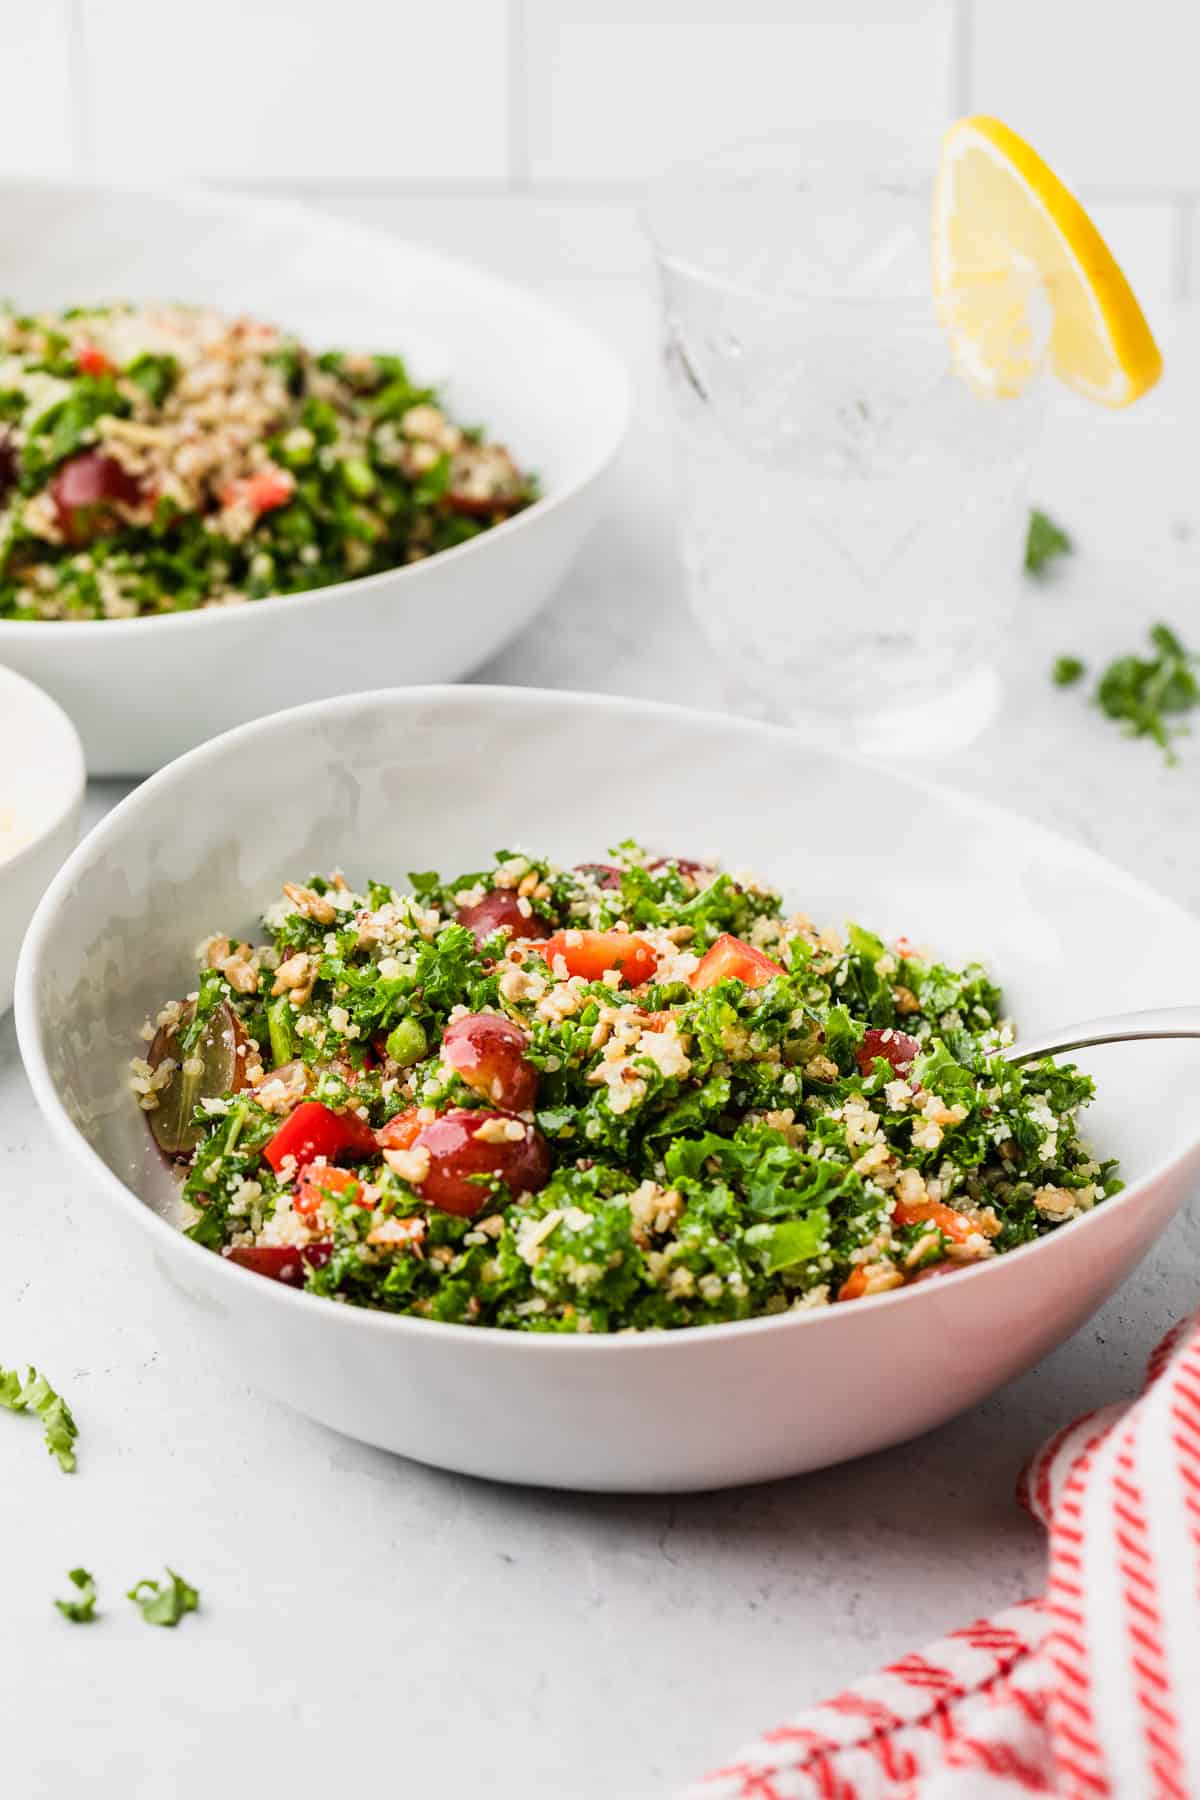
{"x":161,"y":458}
{"x":630,"y":1095}
{"x":34,"y":1394}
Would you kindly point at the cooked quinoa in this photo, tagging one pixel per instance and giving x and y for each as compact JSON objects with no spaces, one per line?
{"x":162,"y":458}
{"x":624,"y":1096}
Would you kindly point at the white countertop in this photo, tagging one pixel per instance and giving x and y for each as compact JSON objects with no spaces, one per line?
{"x":370,"y":1623}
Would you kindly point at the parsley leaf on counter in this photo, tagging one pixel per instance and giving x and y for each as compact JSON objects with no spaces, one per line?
{"x":1144,"y":693}
{"x":35,"y":1395}
{"x":1067,"y":670}
{"x":162,"y":1604}
{"x":83,"y":1610}
{"x":1045,"y":541}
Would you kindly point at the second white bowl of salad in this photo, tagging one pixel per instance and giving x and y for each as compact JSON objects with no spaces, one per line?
{"x":642,"y":1131}
{"x":250,"y":456}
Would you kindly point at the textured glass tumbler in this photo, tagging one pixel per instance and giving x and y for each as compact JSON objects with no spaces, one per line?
{"x":853,"y":511}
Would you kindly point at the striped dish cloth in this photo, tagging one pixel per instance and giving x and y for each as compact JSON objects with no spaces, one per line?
{"x":1093,"y":1690}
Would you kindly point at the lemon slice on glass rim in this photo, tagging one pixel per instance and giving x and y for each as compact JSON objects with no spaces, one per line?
{"x":1004,"y":229}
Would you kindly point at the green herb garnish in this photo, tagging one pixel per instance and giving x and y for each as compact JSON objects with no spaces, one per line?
{"x":1044,"y":542}
{"x":163,"y":1603}
{"x":1144,"y":693}
{"x":1067,"y":670}
{"x":35,"y":1395}
{"x":83,"y":1610}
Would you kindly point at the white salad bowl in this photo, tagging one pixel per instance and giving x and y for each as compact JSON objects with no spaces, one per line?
{"x":41,"y":791}
{"x":143,"y":690}
{"x":439,"y":778}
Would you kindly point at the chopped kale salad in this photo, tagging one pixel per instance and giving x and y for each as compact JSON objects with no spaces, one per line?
{"x":624,"y":1096}
{"x":160,"y":458}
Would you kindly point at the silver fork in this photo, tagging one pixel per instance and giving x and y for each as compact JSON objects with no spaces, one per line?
{"x":1118,"y":1028}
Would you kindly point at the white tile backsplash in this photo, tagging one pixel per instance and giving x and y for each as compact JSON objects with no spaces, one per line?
{"x":1105,"y":89}
{"x":293,"y":90}
{"x":618,"y":89}
{"x":36,"y":131}
{"x":390,"y":105}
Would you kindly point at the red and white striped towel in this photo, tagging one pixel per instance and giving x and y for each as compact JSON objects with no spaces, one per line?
{"x":1093,"y":1690}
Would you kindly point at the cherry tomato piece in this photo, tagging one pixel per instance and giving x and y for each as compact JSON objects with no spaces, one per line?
{"x":85,"y":492}
{"x":262,"y":492}
{"x":500,"y":908}
{"x":90,"y":360}
{"x":320,"y":1183}
{"x":592,"y":953}
{"x":280,"y":1262}
{"x":401,"y":1132}
{"x":895,"y":1047}
{"x":729,"y":959}
{"x":316,"y":1130}
{"x":955,"y":1225}
{"x":457,"y":1153}
{"x":488,"y":1052}
{"x":855,"y":1285}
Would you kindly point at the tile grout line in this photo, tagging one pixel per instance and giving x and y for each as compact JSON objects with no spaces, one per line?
{"x":961,"y":32}
{"x":518,"y":96}
{"x":1185,"y":221}
{"x":79,"y":124}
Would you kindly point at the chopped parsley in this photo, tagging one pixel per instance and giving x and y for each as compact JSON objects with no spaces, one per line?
{"x":80,"y":1611}
{"x":164,"y":1603}
{"x":1146,"y":693}
{"x":35,"y":1395}
{"x":1068,"y":670}
{"x":1045,"y":541}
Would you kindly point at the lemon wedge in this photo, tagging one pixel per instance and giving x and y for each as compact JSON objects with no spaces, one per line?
{"x":1004,"y":226}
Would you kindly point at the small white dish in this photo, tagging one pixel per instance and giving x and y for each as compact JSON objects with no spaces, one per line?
{"x":42,"y":780}
{"x":143,"y":690}
{"x":438,"y":778}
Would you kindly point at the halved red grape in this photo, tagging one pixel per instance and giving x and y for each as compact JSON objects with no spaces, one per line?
{"x":457,"y":1152}
{"x":280,"y":1262}
{"x":501,"y":907}
{"x":220,"y":1049}
{"x":605,"y":875}
{"x":84,"y":492}
{"x":489,"y":1054}
{"x":895,"y":1047}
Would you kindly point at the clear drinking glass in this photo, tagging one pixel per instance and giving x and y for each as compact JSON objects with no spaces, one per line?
{"x":853,"y":508}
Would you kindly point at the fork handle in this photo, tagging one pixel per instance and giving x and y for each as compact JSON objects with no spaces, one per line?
{"x":1118,"y":1028}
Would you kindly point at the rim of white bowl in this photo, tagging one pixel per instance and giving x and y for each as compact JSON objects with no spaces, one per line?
{"x":205,"y":617}
{"x":59,"y":722}
{"x":39,"y":938}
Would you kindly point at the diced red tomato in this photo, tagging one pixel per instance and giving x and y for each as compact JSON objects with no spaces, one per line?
{"x":316,"y":1130}
{"x":855,"y":1285}
{"x":401,"y":1132}
{"x":261,"y":492}
{"x":280,"y":1262}
{"x":318,"y":1183}
{"x":729,"y":959}
{"x":955,"y":1225}
{"x":895,"y":1047}
{"x":91,"y":361}
{"x":592,"y":953}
